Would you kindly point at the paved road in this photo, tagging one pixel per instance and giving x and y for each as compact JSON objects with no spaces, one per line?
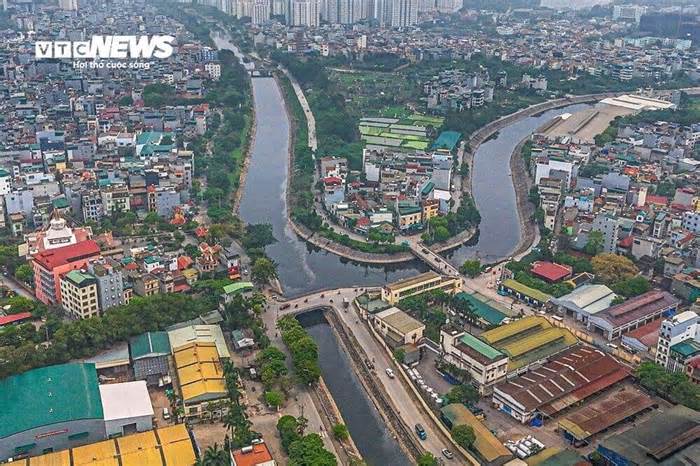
{"x":310,"y":120}
{"x":403,"y":401}
{"x":13,"y":285}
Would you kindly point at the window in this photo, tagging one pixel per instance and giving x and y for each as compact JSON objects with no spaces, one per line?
{"x":79,"y":436}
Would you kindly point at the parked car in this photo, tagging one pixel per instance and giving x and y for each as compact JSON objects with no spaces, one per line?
{"x":420,"y":431}
{"x":390,"y":372}
{"x":447,"y":453}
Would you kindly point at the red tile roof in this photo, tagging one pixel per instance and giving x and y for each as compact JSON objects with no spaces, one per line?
{"x":12,"y":318}
{"x":550,"y":270}
{"x":52,"y":258}
{"x":257,"y":455}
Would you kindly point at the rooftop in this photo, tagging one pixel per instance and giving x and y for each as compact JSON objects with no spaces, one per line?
{"x":125,"y":400}
{"x":49,"y":395}
{"x":238,"y":287}
{"x":563,"y":381}
{"x":199,"y":372}
{"x":413,"y":281}
{"x":587,"y":298}
{"x":149,"y":344}
{"x":252,"y":455}
{"x":526,"y":290}
{"x":402,"y":322}
{"x":638,"y":307}
{"x":550,"y":271}
{"x":670,"y":437}
{"x":486,"y":312}
{"x":80,"y":279}
{"x":479,"y":350}
{"x":167,"y":446}
{"x":52,"y":258}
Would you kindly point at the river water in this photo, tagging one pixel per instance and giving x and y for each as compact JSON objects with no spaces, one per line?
{"x":494,"y":194}
{"x":303,"y":268}
{"x":367,"y":427}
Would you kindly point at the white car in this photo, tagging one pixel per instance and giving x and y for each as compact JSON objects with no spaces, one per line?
{"x":390,"y":373}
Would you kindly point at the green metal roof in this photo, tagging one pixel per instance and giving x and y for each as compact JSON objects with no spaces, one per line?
{"x":447,"y":140}
{"x":149,"y":344}
{"x":238,"y":287}
{"x":60,"y":203}
{"x":49,"y":395}
{"x":481,"y":347}
{"x":80,"y":278}
{"x":483,"y":310}
{"x":686,"y":348}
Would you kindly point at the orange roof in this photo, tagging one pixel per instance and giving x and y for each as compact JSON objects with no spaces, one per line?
{"x":258,"y":454}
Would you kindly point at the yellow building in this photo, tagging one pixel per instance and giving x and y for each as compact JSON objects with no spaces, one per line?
{"x":431,"y":208}
{"x":79,"y":294}
{"x":428,"y":281}
{"x":200,"y":376}
{"x":528,"y":341}
{"x":167,"y":446}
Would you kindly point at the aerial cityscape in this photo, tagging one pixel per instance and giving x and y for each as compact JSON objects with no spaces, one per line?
{"x":349,"y":232}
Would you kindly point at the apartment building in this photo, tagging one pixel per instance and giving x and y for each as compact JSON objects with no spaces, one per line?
{"x":79,"y":294}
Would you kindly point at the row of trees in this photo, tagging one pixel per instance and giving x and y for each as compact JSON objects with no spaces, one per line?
{"x":674,"y":386}
{"x":431,"y":309}
{"x":303,"y":449}
{"x":303,"y":349}
{"x":85,"y":338}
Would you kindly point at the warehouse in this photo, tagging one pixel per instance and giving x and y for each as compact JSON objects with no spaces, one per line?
{"x":584,"y":301}
{"x":127,"y":408}
{"x":149,"y":356}
{"x":529,"y":296}
{"x":565,"y":380}
{"x":51,"y":408}
{"x":200,"y":376}
{"x":167,"y":446}
{"x":604,"y":413}
{"x":633,"y":313}
{"x":669,"y":438}
{"x":527,"y":341}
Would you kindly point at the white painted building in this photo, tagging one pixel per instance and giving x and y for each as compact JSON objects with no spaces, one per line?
{"x":127,"y":408}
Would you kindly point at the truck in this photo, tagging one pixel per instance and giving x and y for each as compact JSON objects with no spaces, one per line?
{"x":346,"y":303}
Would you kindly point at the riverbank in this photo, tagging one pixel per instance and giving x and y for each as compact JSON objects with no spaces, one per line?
{"x":526,"y":210}
{"x":247,"y":153}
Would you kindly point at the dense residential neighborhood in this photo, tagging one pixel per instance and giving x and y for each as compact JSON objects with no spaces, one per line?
{"x":321,"y":233}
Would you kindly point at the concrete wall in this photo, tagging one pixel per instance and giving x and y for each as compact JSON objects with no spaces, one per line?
{"x":116,"y":427}
{"x":53,"y":436}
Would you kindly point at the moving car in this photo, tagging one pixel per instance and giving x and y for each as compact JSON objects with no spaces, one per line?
{"x":390,"y":372}
{"x":447,"y":453}
{"x":420,"y":431}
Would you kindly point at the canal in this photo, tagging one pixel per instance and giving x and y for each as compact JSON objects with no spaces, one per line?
{"x":494,"y":194}
{"x":302,"y":268}
{"x":363,"y":420}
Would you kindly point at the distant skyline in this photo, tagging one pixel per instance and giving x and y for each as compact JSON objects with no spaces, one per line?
{"x":573,"y":4}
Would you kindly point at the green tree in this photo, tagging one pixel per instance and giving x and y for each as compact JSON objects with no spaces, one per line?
{"x":595,"y":243}
{"x":340,"y":432}
{"x":612,"y":268}
{"x":427,"y":459}
{"x":631,"y":287}
{"x":264,"y":270}
{"x":471,"y":268}
{"x":465,"y":393}
{"x":463,"y":435}
{"x":309,"y":451}
{"x":24,"y":273}
{"x":274,"y":399}
{"x":400,"y":355}
{"x":215,"y":456}
{"x":288,"y":429}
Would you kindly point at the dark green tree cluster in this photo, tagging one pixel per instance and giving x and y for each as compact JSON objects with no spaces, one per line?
{"x":441,"y":228}
{"x":471,"y":268}
{"x":303,"y":349}
{"x":303,"y":450}
{"x":674,"y":386}
{"x":465,"y":394}
{"x":85,"y":338}
{"x":243,"y":312}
